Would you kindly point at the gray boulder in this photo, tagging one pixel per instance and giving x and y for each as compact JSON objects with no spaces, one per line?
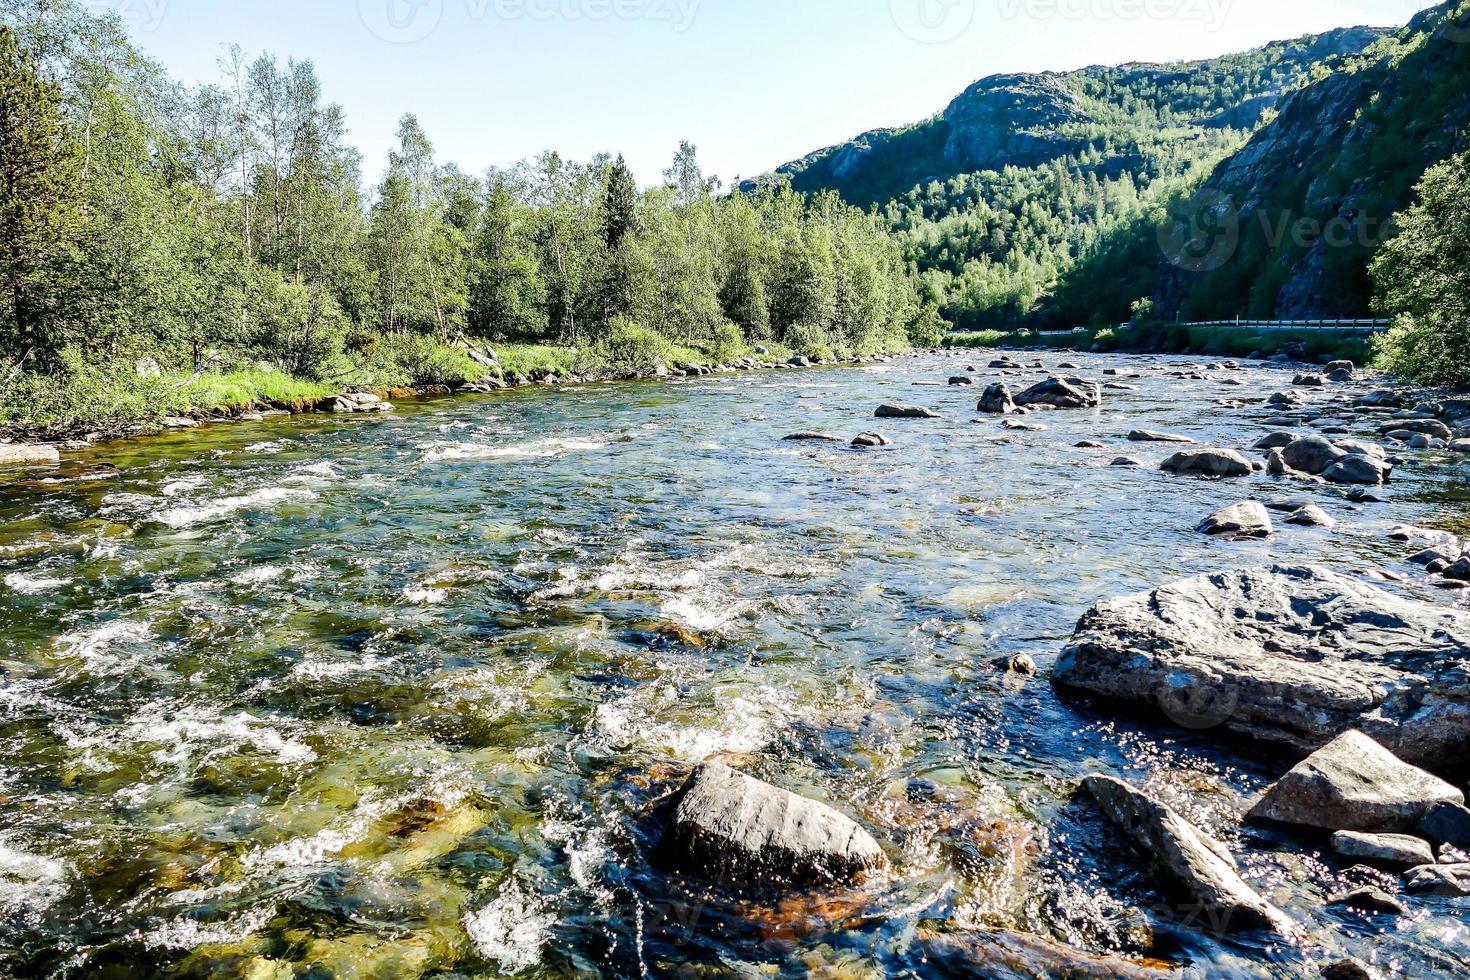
{"x":1440,"y":880}
{"x":732,"y":827}
{"x":1188,"y":857}
{"x":1354,"y":784}
{"x":1447,"y":823}
{"x":1145,"y":435}
{"x":893,"y":411}
{"x":1062,"y":393}
{"x":1354,"y":469}
{"x":996,"y":400}
{"x":1311,"y":454}
{"x":1427,"y":427}
{"x":1390,"y":850}
{"x":871,"y":440}
{"x":1276,"y":440}
{"x":811,"y":437}
{"x":1311,"y":516}
{"x":1287,"y":656}
{"x":1208,"y":462}
{"x":1244,"y":520}
{"x":960,"y":380}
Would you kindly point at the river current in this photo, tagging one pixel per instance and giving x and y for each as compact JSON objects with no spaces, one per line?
{"x":397,"y":696}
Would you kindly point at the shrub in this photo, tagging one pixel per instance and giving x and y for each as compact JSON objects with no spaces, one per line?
{"x":302,"y":329}
{"x":628,"y":348}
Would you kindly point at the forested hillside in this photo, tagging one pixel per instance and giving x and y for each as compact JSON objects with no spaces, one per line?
{"x":168,"y":243}
{"x":1314,"y":195}
{"x":1023,"y":177}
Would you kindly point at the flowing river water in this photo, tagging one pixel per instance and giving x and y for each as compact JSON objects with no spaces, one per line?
{"x":396,"y":696}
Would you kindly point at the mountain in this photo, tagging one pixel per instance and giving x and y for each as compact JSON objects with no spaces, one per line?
{"x":1024,"y":178}
{"x":1025,"y":120}
{"x":1312,"y":195}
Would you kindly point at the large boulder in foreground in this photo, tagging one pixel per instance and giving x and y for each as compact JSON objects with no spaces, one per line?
{"x":1190,"y":858}
{"x":1355,"y":784}
{"x":734,"y":828}
{"x":1293,"y":657}
{"x":1062,"y":393}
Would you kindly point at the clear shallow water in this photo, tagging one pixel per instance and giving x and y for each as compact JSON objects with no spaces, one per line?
{"x":398,"y":696}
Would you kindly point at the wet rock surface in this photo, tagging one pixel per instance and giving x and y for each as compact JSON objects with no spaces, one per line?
{"x":1287,"y":656}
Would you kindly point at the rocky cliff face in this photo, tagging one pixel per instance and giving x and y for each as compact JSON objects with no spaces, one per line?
{"x":1031,"y":119}
{"x":1313,"y":193}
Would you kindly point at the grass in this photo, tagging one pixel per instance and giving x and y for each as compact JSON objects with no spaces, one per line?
{"x":1175,"y":339}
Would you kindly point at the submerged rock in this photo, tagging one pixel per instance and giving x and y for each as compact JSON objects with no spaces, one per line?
{"x":871,"y":440}
{"x":1146,"y":435}
{"x":1017,"y":956}
{"x":1311,"y":516}
{"x":996,"y":400}
{"x":27,"y":454}
{"x":1374,"y":901}
{"x":1062,"y":393}
{"x":894,"y":411}
{"x":811,"y":437}
{"x":1283,"y":655}
{"x":1245,"y":520}
{"x":733,"y":827}
{"x":1354,"y":784}
{"x":1209,"y":462}
{"x":1357,"y":469}
{"x":1189,"y":857}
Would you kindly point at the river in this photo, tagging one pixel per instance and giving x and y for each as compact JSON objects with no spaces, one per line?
{"x":396,"y":695}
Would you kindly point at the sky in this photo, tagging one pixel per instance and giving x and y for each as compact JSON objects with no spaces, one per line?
{"x":752,"y":83}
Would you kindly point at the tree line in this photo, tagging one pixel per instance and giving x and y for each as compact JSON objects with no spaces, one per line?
{"x":208,"y":226}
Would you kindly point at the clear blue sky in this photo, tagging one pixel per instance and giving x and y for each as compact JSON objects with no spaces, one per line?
{"x":752,"y":82}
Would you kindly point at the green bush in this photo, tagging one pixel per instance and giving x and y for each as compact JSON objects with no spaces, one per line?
{"x":628,"y":349}
{"x":301,"y":329}
{"x":809,"y":341}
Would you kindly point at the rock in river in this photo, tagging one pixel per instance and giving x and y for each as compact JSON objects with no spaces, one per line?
{"x":996,"y":400}
{"x":1062,"y":393}
{"x":1288,"y":656}
{"x":892,"y":411}
{"x":1355,"y":784}
{"x":1209,"y":462}
{"x":731,"y":827}
{"x":1390,"y":850}
{"x":27,"y":454}
{"x":1246,"y":520}
{"x":1358,"y":470}
{"x":871,"y":440}
{"x":811,"y":437}
{"x":1311,"y":516}
{"x":1191,"y":858}
{"x":1145,"y":435}
{"x":1311,"y":454}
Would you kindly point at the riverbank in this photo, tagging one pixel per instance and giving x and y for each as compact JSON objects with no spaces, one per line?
{"x":1319,"y":346}
{"x":43,"y":418}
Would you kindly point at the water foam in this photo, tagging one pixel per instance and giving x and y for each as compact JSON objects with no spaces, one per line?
{"x":512,"y":929}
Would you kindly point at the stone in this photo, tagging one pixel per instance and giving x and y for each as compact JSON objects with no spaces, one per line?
{"x":1354,"y":784}
{"x":1380,"y":398}
{"x":1391,"y":850}
{"x":1440,"y":880}
{"x":28,"y":454}
{"x":1311,"y":516}
{"x":1333,"y":367}
{"x":732,"y":827}
{"x":1354,"y":469}
{"x":1459,"y":570}
{"x":1244,"y":520}
{"x":1145,"y":435}
{"x":1208,"y":462}
{"x":871,"y":440}
{"x":1311,"y":454}
{"x":1015,"y":425}
{"x":1374,"y":901}
{"x":1189,"y":857}
{"x":1003,"y":953}
{"x":959,"y":380}
{"x":1126,"y":461}
{"x":1286,"y":656}
{"x":810,"y":437}
{"x":178,"y":422}
{"x":1447,"y":823}
{"x":1426,"y":427}
{"x":1062,"y":393}
{"x":799,"y":361}
{"x":1309,"y":381}
{"x":1090,"y":444}
{"x":996,"y":400}
{"x":1354,"y":447}
{"x":1276,"y":464}
{"x":1276,"y":440}
{"x":893,"y":411}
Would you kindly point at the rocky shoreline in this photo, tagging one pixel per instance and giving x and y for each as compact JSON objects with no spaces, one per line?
{"x":20,"y":453}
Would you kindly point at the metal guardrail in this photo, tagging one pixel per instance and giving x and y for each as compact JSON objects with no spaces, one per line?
{"x":1342,"y":326}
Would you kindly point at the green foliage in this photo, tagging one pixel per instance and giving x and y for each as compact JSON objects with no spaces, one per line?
{"x":628,"y":349}
{"x":1422,"y":281}
{"x":226,"y":224}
